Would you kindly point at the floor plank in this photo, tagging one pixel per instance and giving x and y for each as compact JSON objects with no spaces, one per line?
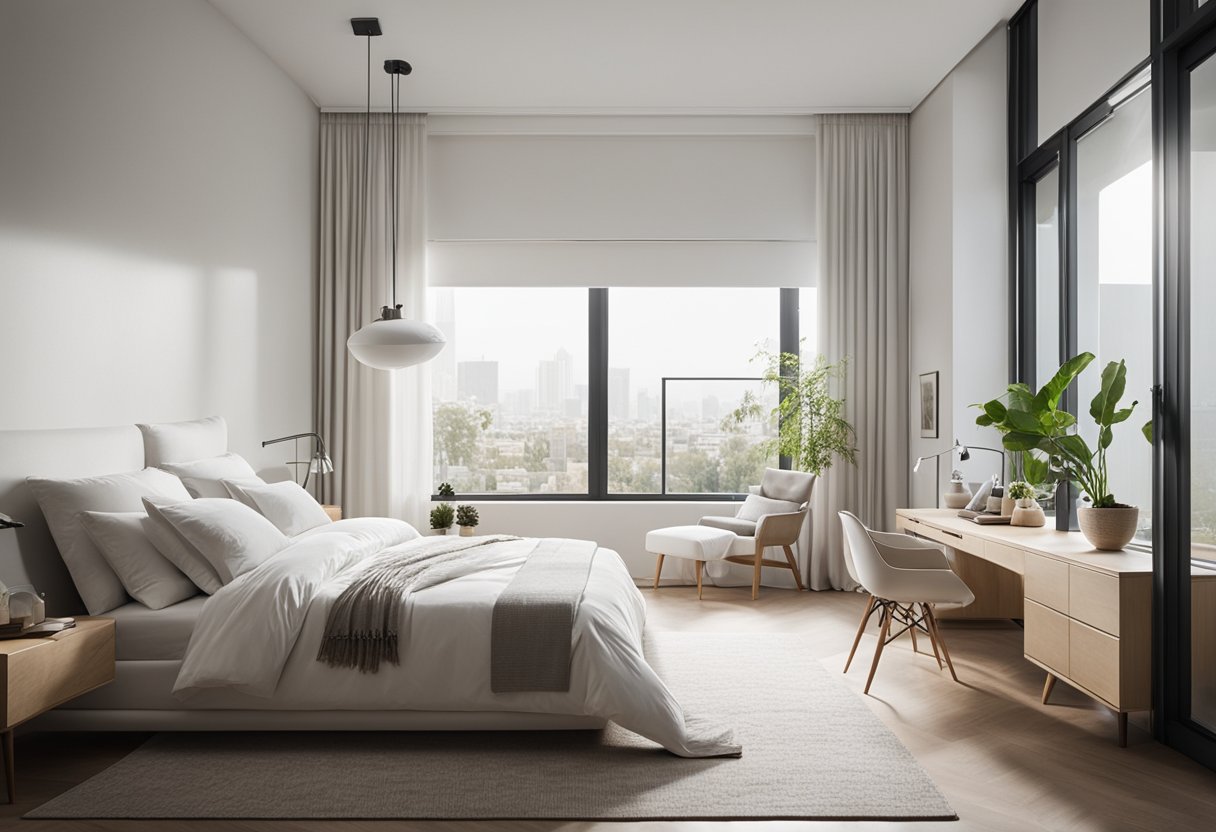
{"x":1005,"y":761}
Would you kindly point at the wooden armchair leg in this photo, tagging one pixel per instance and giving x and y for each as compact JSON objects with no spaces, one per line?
{"x":789,"y":556}
{"x":658,"y":570}
{"x":756,"y":575}
{"x":700,"y":567}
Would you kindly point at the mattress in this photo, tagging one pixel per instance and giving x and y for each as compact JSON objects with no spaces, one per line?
{"x":143,"y":634}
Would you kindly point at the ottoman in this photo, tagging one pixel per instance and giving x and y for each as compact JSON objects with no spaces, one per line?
{"x":697,"y":543}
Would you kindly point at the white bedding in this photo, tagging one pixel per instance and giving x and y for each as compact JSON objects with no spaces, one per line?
{"x":260,"y":634}
{"x":143,"y":634}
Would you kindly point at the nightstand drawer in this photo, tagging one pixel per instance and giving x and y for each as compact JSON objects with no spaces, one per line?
{"x":39,"y":674}
{"x":1046,"y":636}
{"x":1047,"y":582}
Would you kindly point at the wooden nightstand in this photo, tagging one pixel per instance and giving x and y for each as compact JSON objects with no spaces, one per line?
{"x":37,"y":674}
{"x":334,"y":512}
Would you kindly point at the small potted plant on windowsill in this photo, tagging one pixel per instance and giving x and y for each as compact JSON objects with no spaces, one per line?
{"x":467,"y":518}
{"x":442,"y":516}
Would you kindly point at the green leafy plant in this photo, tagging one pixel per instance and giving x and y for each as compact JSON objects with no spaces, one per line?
{"x":442,"y":516}
{"x":467,"y":516}
{"x":811,"y":427}
{"x":446,"y":490}
{"x":1020,"y":490}
{"x":1030,"y":421}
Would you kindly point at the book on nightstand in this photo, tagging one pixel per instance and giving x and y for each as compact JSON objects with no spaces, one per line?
{"x":46,"y":627}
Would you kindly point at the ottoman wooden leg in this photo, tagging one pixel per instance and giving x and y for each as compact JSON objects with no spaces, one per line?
{"x":700,"y":566}
{"x":658,"y":570}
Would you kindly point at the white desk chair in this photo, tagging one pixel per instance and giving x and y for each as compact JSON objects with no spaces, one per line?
{"x":901,"y":572}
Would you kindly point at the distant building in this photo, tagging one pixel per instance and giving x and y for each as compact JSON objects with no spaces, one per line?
{"x":618,"y":393}
{"x":648,"y":407}
{"x":555,"y":382}
{"x":477,"y":381}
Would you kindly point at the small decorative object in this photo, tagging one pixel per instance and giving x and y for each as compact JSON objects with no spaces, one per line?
{"x":442,"y":517}
{"x":928,"y":405}
{"x":1027,"y":511}
{"x":445,"y":490}
{"x":994,"y":500}
{"x":980,"y":501}
{"x":957,"y":493}
{"x":467,"y":518}
{"x":1033,"y":421}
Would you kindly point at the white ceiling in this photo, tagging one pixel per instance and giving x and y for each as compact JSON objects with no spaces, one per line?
{"x":614,"y":56}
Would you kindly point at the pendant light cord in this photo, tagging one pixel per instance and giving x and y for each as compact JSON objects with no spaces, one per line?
{"x":395,"y":94}
{"x":367,"y":151}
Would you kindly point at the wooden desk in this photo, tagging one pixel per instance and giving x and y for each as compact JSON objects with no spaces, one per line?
{"x":1087,"y":614}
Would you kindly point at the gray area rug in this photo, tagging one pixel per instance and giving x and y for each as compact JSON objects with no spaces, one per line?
{"x":811,"y":750}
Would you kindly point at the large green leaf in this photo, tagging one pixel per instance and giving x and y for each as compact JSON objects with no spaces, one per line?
{"x":1147,"y":430}
{"x":1023,"y":422}
{"x":1016,"y":441}
{"x":1048,"y":397}
{"x":1035,"y":470}
{"x":1105,"y":437}
{"x":984,"y":420}
{"x":1114,"y":382}
{"x":995,"y":410}
{"x":1075,"y":450}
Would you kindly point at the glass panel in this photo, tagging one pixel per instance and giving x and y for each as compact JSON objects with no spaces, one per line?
{"x":510,"y":390}
{"x":657,"y":332}
{"x":1203,"y":393}
{"x":707,"y":453}
{"x":1047,"y":277}
{"x":1115,"y":288}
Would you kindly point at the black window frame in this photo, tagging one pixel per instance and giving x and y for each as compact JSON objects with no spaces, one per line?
{"x":598,"y":311}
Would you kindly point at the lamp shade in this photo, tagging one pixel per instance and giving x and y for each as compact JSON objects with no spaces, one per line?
{"x":396,"y":343}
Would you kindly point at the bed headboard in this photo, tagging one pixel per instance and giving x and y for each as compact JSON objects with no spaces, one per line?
{"x":28,"y":555}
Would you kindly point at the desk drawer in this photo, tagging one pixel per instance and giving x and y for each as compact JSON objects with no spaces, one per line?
{"x":1094,"y":661}
{"x":1047,"y":582}
{"x":1093,"y":597}
{"x":1006,"y":556}
{"x":1046,"y":636}
{"x":956,"y":539}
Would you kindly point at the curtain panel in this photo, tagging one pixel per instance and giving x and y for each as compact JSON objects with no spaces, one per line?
{"x":863,"y":318}
{"x":377,"y":423}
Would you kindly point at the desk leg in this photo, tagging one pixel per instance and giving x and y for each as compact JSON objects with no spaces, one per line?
{"x":1049,"y":685}
{"x":10,"y":778}
{"x":1122,"y":717}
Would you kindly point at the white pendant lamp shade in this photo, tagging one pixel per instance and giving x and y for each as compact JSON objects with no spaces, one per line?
{"x":396,"y":343}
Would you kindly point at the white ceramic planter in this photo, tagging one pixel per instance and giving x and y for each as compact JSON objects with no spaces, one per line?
{"x":1108,"y":529}
{"x":1028,"y":512}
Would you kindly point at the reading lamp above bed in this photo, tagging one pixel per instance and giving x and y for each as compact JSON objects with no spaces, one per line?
{"x":319,"y":463}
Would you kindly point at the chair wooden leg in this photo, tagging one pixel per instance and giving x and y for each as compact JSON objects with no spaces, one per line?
{"x":1048,"y":685}
{"x":910,"y":618}
{"x":700,"y":566}
{"x":882,"y":641}
{"x":789,"y":556}
{"x":756,"y":575}
{"x":941,"y":642}
{"x":658,"y":570}
{"x":924,"y":609}
{"x":865,"y":616}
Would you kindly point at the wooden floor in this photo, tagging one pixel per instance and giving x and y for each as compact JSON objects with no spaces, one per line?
{"x":1003,"y":760}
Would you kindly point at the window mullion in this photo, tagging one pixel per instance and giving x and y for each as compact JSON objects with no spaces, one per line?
{"x":597,"y":394}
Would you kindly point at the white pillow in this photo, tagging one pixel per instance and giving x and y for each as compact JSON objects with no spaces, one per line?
{"x":235,"y":489}
{"x":177,"y":550}
{"x":183,"y":441}
{"x":755,"y":507}
{"x":202,"y":476}
{"x":64,"y":500}
{"x":231,"y":536}
{"x":145,"y":573}
{"x":292,"y":509}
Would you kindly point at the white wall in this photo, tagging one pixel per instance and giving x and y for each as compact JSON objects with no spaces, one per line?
{"x":157,"y":220}
{"x":958,"y":265}
{"x":1085,"y":47}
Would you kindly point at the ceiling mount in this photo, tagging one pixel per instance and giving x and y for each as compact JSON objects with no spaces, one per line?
{"x":366,"y":26}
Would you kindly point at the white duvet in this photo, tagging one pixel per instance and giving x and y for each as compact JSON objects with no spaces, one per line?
{"x":259,"y":635}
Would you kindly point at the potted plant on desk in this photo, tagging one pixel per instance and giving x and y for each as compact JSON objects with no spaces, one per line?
{"x":442,"y":516}
{"x":1030,"y":421}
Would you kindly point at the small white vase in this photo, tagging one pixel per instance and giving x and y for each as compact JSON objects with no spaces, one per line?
{"x":956,"y":495}
{"x":1028,"y":512}
{"x":466,"y":531}
{"x":439,"y":531}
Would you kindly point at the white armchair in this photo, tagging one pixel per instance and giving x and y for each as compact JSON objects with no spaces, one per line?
{"x":901,"y":573}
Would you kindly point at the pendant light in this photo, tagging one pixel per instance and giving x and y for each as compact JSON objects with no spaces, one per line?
{"x":390,"y":342}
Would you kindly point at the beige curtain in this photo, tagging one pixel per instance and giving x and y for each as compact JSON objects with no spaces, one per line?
{"x":863,"y":315}
{"x":377,"y":422}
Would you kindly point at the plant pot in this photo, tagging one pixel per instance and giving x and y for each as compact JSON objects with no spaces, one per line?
{"x":1007,"y":506}
{"x":956,"y":495}
{"x":1108,"y":529}
{"x":439,"y":531}
{"x":1028,"y":512}
{"x":466,"y":531}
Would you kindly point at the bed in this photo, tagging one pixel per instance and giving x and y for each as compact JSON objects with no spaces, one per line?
{"x":245,"y":658}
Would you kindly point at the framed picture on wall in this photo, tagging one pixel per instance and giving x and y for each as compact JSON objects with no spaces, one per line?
{"x":928,"y":405}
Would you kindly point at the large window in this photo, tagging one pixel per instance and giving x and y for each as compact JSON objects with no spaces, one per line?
{"x":510,"y":390}
{"x":516,"y":391}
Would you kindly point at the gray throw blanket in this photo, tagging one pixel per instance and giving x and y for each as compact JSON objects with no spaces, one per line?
{"x":534,"y":618}
{"x":361,"y":630}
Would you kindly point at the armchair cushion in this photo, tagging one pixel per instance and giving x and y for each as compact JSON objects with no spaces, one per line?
{"x":793,"y":486}
{"x":743,"y":528}
{"x":756,"y":506}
